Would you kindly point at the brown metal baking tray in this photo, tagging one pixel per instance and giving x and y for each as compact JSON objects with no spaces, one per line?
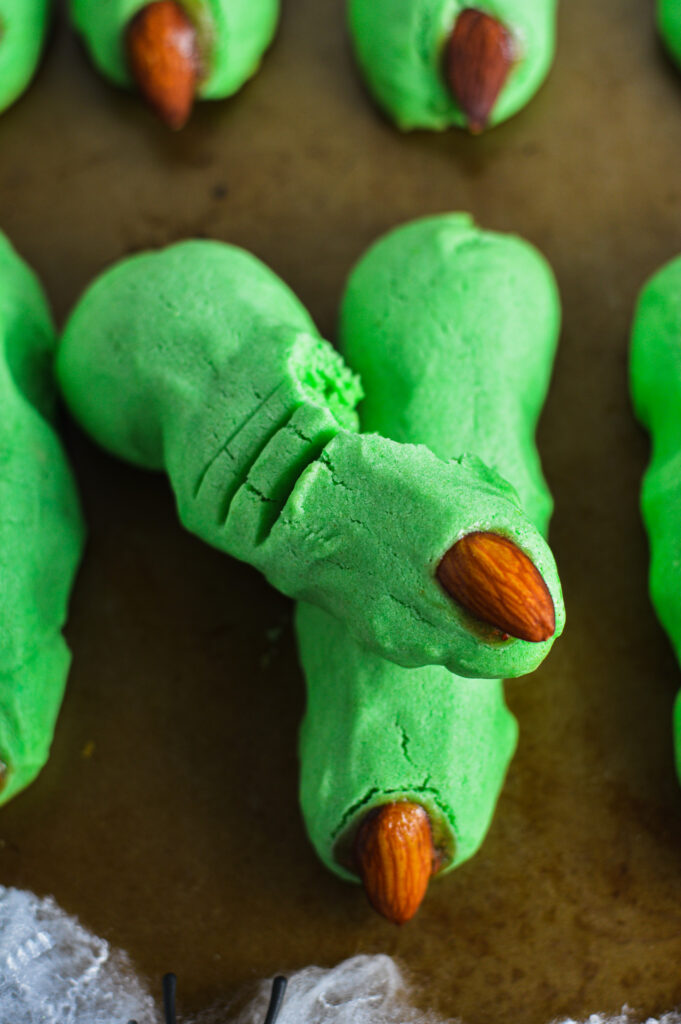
{"x":167,"y":819}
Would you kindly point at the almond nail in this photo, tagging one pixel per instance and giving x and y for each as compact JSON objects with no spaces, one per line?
{"x":163,"y":56}
{"x":479,"y":58}
{"x":496,"y":581}
{"x":395,"y":859}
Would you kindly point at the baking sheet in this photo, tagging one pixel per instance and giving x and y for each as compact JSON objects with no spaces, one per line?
{"x":167,"y":819}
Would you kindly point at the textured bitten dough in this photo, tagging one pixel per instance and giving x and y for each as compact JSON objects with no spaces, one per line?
{"x":656,"y":392}
{"x":23,"y":26}
{"x":454,"y":331}
{"x":233,"y":36}
{"x":669,"y":22}
{"x":400,"y":47}
{"x":200,"y":361}
{"x":41,"y":531}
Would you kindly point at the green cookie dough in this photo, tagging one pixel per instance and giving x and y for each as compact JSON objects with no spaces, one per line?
{"x":656,"y":393}
{"x":233,"y":35}
{"x":374,"y":732}
{"x":200,"y":361}
{"x":454,"y":331}
{"x":41,"y":532}
{"x":400,"y":46}
{"x":669,"y":23}
{"x":23,"y":26}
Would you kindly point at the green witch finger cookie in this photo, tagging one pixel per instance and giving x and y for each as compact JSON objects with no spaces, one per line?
{"x":656,"y":392}
{"x":176,"y":50}
{"x":41,"y":532}
{"x":381,"y":743}
{"x":453,"y":330}
{"x":23,"y":26}
{"x":669,"y":23}
{"x":438,"y":63}
{"x":198,"y":360}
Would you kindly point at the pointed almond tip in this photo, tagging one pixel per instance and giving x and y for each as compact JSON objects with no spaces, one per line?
{"x":162,"y":50}
{"x":479,"y":58}
{"x":497,"y":583}
{"x":395,"y":859}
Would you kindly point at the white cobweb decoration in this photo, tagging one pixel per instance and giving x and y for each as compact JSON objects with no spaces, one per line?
{"x":53,"y":971}
{"x":367,"y":990}
{"x":362,"y":990}
{"x":628,"y":1016}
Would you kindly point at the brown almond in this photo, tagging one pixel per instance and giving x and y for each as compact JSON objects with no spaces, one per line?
{"x":479,"y":57}
{"x":395,"y":859}
{"x":162,"y":49}
{"x":494,"y":580}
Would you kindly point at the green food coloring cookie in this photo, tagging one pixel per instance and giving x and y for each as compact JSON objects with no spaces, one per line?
{"x":199,"y":361}
{"x":232,"y":37}
{"x":403,"y":49}
{"x":453,"y":330}
{"x":656,"y":392}
{"x":41,"y":532}
{"x":23,"y":26}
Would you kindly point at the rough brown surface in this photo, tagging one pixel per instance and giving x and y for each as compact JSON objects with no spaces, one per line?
{"x":179,"y":836}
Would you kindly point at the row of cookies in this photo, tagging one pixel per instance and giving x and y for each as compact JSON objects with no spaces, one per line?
{"x":428,"y":63}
